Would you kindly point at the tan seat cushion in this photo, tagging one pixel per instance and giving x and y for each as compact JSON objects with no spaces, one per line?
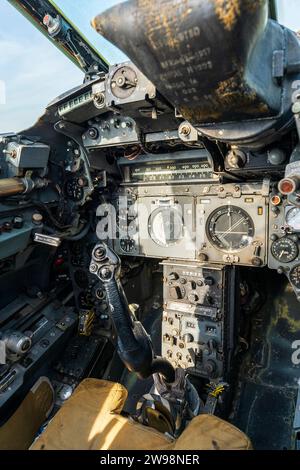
{"x":20,"y":430}
{"x":90,"y":420}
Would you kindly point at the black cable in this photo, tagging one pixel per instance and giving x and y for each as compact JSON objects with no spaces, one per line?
{"x":43,"y":207}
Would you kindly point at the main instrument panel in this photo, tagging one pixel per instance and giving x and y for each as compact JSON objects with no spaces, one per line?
{"x":210,"y":223}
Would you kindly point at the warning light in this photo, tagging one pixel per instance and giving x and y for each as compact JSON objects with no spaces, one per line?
{"x":46,"y":20}
{"x":59,"y":262}
{"x":287,"y":186}
{"x":276,"y":200}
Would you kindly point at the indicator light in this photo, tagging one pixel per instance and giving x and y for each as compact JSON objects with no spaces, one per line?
{"x":275,"y":200}
{"x":287,"y":186}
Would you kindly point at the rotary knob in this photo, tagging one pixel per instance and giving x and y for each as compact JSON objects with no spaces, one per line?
{"x":193,"y":297}
{"x":188,"y":338}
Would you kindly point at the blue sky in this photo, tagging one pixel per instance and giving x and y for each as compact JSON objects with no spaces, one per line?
{"x":35,"y":72}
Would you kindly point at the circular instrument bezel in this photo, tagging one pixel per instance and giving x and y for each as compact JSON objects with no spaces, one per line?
{"x":166,"y":210}
{"x":280,"y":245}
{"x":292,"y":215}
{"x":216,"y":240}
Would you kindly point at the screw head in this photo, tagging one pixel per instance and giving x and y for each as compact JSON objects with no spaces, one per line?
{"x":185,"y":130}
{"x":93,"y":268}
{"x":105,"y":273}
{"x":99,"y":253}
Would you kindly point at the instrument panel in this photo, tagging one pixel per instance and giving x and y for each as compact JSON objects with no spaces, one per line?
{"x":284,"y":239}
{"x":210,"y":223}
{"x":194,"y":166}
{"x":198,"y":301}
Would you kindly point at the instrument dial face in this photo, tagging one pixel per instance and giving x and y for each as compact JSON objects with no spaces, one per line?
{"x":127,"y":245}
{"x":293,"y":219}
{"x":295,"y":276}
{"x":166,"y":226}
{"x":284,"y":250}
{"x":230,"y":228}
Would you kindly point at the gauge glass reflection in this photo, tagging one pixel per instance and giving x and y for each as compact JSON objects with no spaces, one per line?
{"x":230,"y":228}
{"x":293,"y":219}
{"x":166,"y":226}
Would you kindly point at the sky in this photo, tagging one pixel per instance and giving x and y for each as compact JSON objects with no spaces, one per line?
{"x":33,"y":72}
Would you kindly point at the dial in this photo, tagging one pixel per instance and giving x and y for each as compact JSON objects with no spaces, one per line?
{"x":127,"y":245}
{"x":166,"y":226}
{"x":284,"y":250}
{"x":295,"y":276}
{"x":230,"y":228}
{"x":293,"y":219}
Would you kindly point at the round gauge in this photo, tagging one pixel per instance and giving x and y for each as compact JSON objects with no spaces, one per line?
{"x":295,"y":276}
{"x":230,"y":228}
{"x":127,"y":245}
{"x":284,"y":250}
{"x":166,"y":226}
{"x":292,"y":219}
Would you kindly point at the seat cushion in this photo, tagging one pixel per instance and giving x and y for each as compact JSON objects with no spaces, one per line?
{"x":91,"y":420}
{"x":20,"y":430}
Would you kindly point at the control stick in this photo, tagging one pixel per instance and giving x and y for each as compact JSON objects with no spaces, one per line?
{"x":134,"y":345}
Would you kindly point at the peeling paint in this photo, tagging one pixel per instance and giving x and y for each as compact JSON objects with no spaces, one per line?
{"x":228,"y":12}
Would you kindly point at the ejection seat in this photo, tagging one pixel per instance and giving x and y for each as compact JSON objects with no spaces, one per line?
{"x":91,"y":420}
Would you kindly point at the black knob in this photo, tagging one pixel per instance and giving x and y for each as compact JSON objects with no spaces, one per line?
{"x":173,"y":277}
{"x":93,"y":133}
{"x":209,"y":281}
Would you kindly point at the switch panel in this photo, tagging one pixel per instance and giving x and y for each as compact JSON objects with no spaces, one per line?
{"x":197,"y":331}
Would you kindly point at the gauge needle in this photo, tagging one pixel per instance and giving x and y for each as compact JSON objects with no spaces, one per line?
{"x":233,"y":227}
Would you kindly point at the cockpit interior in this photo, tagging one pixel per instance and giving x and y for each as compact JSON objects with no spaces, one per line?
{"x":150,"y":236}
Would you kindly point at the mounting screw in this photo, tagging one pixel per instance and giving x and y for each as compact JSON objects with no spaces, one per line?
{"x":93,"y":268}
{"x":105,"y":273}
{"x":185,"y":130}
{"x":100,"y":253}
